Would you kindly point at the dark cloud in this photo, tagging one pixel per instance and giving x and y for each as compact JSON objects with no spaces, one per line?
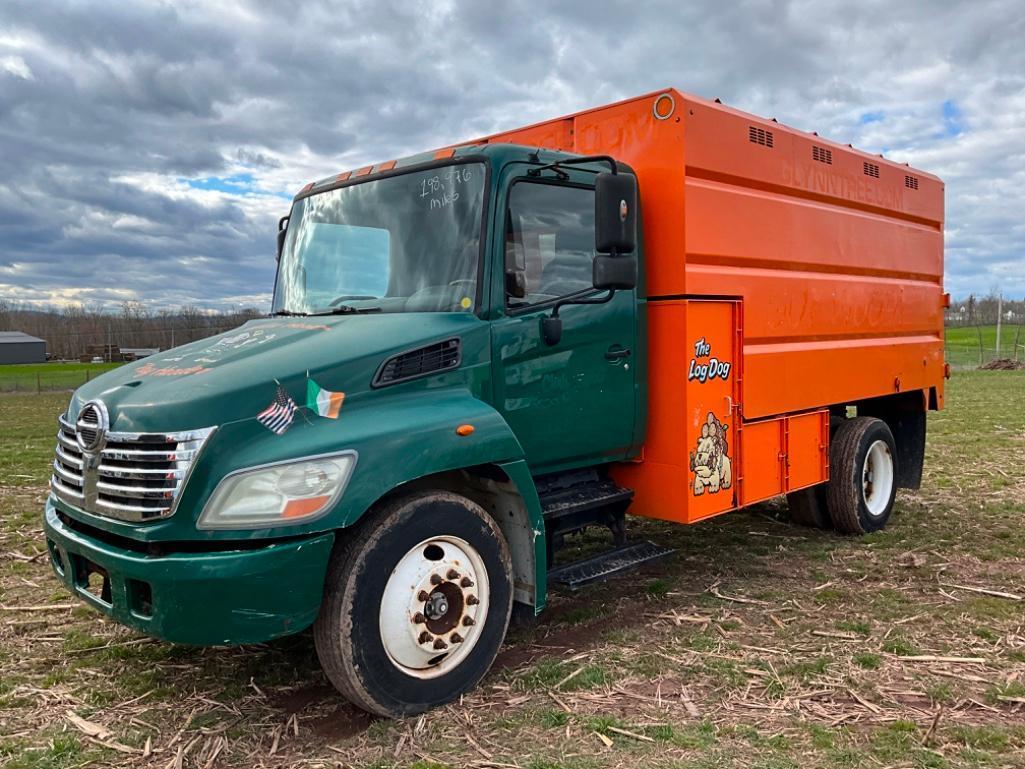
{"x":111,"y":113}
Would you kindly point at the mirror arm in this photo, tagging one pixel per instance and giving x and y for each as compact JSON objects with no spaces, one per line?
{"x":596,"y":300}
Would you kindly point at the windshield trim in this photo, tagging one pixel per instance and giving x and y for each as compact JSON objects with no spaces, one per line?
{"x":478,"y":301}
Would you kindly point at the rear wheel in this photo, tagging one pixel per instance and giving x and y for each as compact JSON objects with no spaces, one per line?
{"x":807,"y":507}
{"x":863,"y":475}
{"x":416,"y":604}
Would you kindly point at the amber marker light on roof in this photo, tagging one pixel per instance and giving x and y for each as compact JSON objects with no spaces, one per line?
{"x":464,"y":430}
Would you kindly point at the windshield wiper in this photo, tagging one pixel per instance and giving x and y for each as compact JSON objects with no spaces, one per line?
{"x":345,"y":309}
{"x":290,"y":314}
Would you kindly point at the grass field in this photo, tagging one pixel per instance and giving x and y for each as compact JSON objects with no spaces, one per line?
{"x":32,"y":377}
{"x":964,"y":343}
{"x":760,"y":645}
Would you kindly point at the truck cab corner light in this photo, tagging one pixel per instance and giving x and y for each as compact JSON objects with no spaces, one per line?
{"x":464,"y":430}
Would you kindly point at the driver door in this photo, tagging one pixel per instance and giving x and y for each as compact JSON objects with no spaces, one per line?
{"x":572,"y":403}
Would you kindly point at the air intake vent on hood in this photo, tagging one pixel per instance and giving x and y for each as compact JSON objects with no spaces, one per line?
{"x":420,"y":362}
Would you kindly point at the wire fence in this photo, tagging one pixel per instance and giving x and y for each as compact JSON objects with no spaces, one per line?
{"x":970,"y":347}
{"x":48,"y":377}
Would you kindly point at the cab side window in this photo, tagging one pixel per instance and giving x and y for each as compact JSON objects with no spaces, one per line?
{"x":550,"y":238}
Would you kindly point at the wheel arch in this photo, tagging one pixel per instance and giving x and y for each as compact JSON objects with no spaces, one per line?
{"x":904,"y":414}
{"x":505,"y":490}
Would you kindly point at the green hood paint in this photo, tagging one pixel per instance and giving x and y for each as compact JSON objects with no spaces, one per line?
{"x":232,"y":376}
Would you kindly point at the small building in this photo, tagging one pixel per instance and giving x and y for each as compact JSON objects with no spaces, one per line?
{"x":18,"y":347}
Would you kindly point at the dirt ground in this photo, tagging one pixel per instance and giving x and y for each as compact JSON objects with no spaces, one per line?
{"x":759,"y":644}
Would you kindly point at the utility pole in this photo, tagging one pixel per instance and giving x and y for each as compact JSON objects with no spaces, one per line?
{"x":1000,"y":311}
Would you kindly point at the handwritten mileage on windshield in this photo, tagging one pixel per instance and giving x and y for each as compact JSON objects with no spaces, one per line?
{"x":442,"y":189}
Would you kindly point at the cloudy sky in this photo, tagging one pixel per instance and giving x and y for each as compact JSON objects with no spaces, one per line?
{"x":148,"y":148}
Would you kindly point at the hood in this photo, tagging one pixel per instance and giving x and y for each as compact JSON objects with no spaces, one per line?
{"x":234,"y":375}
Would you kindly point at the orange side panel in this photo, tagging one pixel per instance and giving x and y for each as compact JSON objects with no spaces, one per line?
{"x":793,"y":375}
{"x":807,"y":449}
{"x":762,"y":461}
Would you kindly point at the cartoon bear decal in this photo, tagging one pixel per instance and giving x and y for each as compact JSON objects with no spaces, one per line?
{"x":710,"y":461}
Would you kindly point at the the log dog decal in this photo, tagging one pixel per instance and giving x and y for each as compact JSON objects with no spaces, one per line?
{"x":710,"y":461}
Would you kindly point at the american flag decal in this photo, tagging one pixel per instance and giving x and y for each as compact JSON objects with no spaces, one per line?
{"x":278,"y":416}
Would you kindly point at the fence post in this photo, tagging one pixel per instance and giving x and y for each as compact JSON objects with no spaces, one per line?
{"x":1017,"y":333}
{"x":87,"y":375}
{"x":979,"y":329}
{"x":39,"y":387}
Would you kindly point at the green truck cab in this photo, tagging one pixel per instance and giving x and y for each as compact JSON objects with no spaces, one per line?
{"x":451,"y":341}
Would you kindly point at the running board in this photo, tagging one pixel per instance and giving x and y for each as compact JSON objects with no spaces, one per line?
{"x":604,"y":565}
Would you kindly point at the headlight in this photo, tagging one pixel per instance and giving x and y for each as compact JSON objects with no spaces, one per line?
{"x":279,"y":494}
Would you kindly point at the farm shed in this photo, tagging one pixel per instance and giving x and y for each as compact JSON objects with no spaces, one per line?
{"x":18,"y":347}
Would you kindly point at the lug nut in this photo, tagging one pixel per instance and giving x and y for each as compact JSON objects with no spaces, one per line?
{"x":468,"y":622}
{"x":418,"y":619}
{"x":436,"y":579}
{"x":472,"y":600}
{"x":466,"y":582}
{"x":439,"y":644}
{"x":456,"y":638}
{"x":425,"y":637}
{"x":452,"y":574}
{"x":423,"y":595}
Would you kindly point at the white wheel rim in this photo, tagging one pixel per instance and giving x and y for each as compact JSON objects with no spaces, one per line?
{"x":419,"y":640}
{"x":877,"y":478}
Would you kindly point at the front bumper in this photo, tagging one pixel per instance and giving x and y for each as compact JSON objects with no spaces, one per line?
{"x":235,"y":596}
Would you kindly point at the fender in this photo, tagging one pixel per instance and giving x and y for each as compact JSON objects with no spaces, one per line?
{"x":414,"y":435}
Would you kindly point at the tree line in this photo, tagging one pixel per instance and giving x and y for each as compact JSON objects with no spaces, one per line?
{"x":975,"y":310}
{"x":70,"y":331}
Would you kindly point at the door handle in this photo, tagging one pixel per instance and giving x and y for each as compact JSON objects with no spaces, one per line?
{"x":616,"y":352}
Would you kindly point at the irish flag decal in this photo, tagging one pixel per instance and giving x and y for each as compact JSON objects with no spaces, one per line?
{"x":324,"y":402}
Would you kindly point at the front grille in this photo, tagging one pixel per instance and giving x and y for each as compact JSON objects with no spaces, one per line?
{"x":135,"y":476}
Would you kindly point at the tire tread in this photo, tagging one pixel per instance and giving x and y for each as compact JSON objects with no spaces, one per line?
{"x":336,"y":615}
{"x":843,"y":495}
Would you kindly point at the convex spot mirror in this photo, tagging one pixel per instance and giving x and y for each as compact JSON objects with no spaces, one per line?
{"x":282,"y":231}
{"x":615,"y":213}
{"x":618,"y":273}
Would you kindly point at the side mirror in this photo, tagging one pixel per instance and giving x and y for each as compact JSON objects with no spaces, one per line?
{"x":618,"y":273}
{"x":516,"y":283}
{"x":551,"y":329}
{"x":282,"y":231}
{"x":615,"y":213}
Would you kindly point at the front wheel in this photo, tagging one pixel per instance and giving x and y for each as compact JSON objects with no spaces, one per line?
{"x":416,"y":604}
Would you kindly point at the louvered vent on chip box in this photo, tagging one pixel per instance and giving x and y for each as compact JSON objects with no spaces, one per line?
{"x":429,"y":359}
{"x":757,"y":135}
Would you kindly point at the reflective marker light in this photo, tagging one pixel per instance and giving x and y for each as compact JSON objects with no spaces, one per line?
{"x":279,"y":494}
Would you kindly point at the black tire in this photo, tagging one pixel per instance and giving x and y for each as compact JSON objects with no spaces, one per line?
{"x":852,"y":482}
{"x":347,"y":633}
{"x":808,"y":507}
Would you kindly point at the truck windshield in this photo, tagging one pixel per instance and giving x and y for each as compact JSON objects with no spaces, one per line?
{"x":405,"y":243}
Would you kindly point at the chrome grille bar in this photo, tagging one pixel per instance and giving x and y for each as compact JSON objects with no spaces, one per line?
{"x":136,"y":476}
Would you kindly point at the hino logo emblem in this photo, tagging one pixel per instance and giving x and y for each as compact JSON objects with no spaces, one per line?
{"x":91,"y":427}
